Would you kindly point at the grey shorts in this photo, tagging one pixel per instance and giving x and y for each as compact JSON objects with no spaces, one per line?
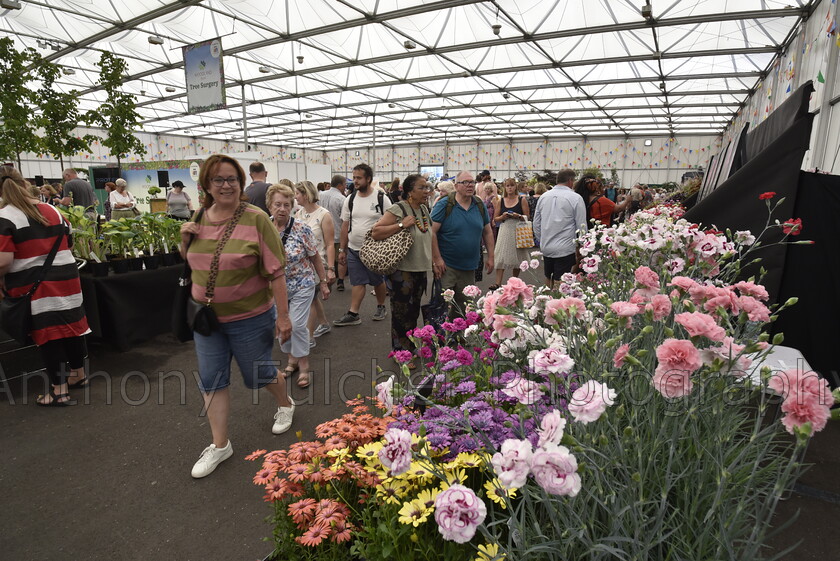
{"x":359,"y":274}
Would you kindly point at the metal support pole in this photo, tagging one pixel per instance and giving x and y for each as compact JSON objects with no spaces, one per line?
{"x":244,"y":120}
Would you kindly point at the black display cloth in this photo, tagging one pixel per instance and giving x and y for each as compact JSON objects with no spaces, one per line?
{"x":812,"y":274}
{"x":130,"y":308}
{"x":735,"y":203}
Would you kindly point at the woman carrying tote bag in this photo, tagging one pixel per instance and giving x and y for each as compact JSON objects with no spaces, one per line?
{"x":408,"y":282}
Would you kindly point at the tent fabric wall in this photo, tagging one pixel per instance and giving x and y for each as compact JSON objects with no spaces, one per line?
{"x":666,"y":159}
{"x":811,"y":56}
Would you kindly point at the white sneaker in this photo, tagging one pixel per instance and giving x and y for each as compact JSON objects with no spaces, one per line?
{"x":210,"y":458}
{"x":283,"y":418}
{"x":321,"y":330}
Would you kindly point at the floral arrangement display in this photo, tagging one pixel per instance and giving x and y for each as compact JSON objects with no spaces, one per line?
{"x":621,"y":415}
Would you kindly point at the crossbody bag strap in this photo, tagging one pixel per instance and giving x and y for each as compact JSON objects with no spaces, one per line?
{"x":288,"y":230}
{"x":210,"y":290}
{"x":45,"y":268}
{"x":186,"y":276}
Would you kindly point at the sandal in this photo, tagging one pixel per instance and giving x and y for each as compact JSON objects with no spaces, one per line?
{"x":493,"y":287}
{"x":54,"y":402}
{"x":290,"y":369}
{"x":303,"y":380}
{"x":79,"y":383}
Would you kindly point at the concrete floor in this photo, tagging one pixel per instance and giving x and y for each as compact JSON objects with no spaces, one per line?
{"x":110,"y":480}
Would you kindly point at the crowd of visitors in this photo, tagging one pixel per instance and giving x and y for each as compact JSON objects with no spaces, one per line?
{"x":265,"y":255}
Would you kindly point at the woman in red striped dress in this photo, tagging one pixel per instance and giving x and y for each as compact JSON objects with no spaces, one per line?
{"x":28,"y":231}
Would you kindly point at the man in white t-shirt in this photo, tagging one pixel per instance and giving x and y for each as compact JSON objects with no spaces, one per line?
{"x":361,"y":210}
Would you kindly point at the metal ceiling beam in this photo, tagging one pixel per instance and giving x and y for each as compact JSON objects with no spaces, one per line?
{"x":122,"y":26}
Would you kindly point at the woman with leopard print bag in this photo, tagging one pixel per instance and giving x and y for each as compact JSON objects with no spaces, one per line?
{"x":408,"y":282}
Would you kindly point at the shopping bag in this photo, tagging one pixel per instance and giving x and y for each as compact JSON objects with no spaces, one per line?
{"x":435,"y":312}
{"x":524,"y":235}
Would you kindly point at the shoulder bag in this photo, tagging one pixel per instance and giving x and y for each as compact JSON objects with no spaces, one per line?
{"x":524,"y":235}
{"x":190,"y":316}
{"x":384,"y":256}
{"x":435,"y":312}
{"x":16,"y":311}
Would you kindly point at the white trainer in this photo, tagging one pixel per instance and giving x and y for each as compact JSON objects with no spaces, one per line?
{"x":210,"y":458}
{"x":283,"y":418}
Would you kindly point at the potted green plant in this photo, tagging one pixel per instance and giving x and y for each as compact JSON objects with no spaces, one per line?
{"x":118,"y":234}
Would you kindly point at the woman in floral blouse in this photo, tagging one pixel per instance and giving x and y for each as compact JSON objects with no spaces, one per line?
{"x":304,"y":273}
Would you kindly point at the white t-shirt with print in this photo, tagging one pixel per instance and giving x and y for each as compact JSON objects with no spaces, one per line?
{"x":365,"y":215}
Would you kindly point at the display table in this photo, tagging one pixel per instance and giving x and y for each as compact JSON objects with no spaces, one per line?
{"x":780,"y":358}
{"x":127,"y":309}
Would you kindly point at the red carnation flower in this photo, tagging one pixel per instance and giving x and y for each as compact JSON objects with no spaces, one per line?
{"x":767,"y":196}
{"x":792,"y":226}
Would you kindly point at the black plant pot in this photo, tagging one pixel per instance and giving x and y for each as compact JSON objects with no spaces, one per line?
{"x":178,"y":258}
{"x":99,"y":269}
{"x":120,"y":266}
{"x":167,"y":259}
{"x":135,"y":264}
{"x":151,"y":262}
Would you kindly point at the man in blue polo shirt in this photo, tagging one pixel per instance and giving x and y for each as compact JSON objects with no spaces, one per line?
{"x":459,"y":221}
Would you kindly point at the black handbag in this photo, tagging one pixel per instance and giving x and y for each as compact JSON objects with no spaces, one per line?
{"x":16,"y":311}
{"x":190,"y":316}
{"x":435,"y":312}
{"x":479,"y":273}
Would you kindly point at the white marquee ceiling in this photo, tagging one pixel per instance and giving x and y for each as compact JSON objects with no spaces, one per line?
{"x":557,"y":67}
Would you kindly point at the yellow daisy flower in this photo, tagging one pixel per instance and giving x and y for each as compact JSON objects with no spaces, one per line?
{"x":391,"y":491}
{"x":489,"y":552}
{"x":369,"y":452}
{"x":497,"y":493}
{"x":414,"y":512}
{"x":455,"y":476}
{"x":428,"y":496}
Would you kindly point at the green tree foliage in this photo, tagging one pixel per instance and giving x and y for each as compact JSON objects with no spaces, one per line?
{"x":18,"y":132}
{"x":117,"y":114}
{"x":59,"y":117}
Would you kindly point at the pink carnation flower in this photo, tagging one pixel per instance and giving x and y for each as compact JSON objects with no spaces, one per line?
{"x":525,"y":391}
{"x":805,"y":408}
{"x":489,"y":305}
{"x":728,"y":352}
{"x":383,"y":393}
{"x":748,"y":288}
{"x":458,"y":513}
{"x":624,"y":309}
{"x":551,"y":361}
{"x":512,"y":463}
{"x":683,"y":283}
{"x":575,"y":307}
{"x":551,"y":428}
{"x":472,"y":291}
{"x":515,"y":289}
{"x":590,"y":401}
{"x":756,"y":311}
{"x":396,"y":454}
{"x":672,"y":384}
{"x":620,"y":354}
{"x":646,"y":277}
{"x":554,"y":469}
{"x":678,"y":359}
{"x":698,"y":324}
{"x":504,"y":326}
{"x":660,"y":305}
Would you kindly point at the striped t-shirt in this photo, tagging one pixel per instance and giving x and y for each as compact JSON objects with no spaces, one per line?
{"x":251,"y":259}
{"x":57,"y":311}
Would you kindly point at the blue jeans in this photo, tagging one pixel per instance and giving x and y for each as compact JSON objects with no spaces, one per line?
{"x":249,"y":340}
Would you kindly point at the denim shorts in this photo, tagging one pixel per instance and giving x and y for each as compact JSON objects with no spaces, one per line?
{"x":359,"y":274}
{"x":249,"y":340}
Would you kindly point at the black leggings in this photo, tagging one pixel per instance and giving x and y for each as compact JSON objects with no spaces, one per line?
{"x":71,"y":351}
{"x":407,"y":289}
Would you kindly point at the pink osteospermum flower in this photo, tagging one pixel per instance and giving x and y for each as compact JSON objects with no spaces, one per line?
{"x":255,"y":455}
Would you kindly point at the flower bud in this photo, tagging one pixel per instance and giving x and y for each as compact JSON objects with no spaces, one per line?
{"x":791,"y":302}
{"x":628,"y":431}
{"x":668,"y":332}
{"x":647,"y":330}
{"x":778,"y":338}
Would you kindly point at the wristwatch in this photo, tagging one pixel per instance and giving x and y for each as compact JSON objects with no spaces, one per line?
{"x":324,"y":281}
{"x":401,"y":225}
{"x":341,"y":250}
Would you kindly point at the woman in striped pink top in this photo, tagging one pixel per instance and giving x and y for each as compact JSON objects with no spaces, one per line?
{"x":28,"y":232}
{"x":249,"y":301}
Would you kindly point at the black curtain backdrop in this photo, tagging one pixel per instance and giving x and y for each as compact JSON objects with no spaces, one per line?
{"x":812,"y":273}
{"x":775,"y":150}
{"x":735,"y":203}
